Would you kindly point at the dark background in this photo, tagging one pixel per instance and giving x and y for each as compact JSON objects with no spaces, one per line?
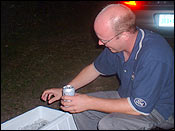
{"x":45,"y":44}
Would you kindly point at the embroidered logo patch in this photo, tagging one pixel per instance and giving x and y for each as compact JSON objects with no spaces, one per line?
{"x":140,"y":102}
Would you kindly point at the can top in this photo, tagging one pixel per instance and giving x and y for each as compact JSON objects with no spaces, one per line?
{"x":68,"y":87}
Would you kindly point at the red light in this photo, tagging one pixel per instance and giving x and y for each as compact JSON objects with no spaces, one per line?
{"x":134,"y":5}
{"x":130,"y":3}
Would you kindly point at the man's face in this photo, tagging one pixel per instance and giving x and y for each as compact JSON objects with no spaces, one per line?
{"x":107,"y":37}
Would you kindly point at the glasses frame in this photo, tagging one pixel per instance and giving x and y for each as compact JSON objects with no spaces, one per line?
{"x":105,"y":42}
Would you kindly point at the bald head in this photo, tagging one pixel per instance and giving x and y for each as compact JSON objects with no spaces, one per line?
{"x":117,"y":17}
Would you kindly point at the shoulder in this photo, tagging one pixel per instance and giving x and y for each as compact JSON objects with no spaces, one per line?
{"x":156,"y":48}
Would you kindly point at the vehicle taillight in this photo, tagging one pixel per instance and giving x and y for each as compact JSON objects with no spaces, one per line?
{"x":133,"y":4}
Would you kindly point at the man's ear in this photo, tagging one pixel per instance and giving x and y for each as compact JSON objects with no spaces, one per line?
{"x":125,"y":35}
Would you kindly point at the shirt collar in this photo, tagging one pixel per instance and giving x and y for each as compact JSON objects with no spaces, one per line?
{"x":135,"y":48}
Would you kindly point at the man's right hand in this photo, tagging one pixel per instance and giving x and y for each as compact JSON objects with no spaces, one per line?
{"x":55,"y":92}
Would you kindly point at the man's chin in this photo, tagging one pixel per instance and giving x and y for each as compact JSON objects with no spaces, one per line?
{"x":112,"y":50}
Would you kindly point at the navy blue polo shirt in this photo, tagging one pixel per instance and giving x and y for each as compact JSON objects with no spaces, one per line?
{"x":146,"y":81}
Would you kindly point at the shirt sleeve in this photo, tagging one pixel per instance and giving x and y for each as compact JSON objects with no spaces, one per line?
{"x":147,"y":88}
{"x":106,"y":62}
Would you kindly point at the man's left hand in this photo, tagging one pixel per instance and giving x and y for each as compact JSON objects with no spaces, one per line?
{"x":75,"y":104}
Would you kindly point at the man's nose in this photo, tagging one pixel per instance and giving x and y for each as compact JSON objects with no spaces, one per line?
{"x":100,"y":43}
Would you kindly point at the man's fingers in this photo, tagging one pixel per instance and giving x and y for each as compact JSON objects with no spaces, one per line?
{"x":49,"y":96}
{"x":52,"y":100}
{"x":44,"y":96}
{"x":68,"y":108}
{"x":66,"y":102}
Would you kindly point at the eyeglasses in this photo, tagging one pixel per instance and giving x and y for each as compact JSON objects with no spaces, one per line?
{"x":107,"y":41}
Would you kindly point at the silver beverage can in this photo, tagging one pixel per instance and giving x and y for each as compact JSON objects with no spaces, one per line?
{"x":68,"y":90}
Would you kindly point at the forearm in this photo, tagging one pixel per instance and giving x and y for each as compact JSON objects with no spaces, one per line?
{"x":87,"y":75}
{"x":111,"y":105}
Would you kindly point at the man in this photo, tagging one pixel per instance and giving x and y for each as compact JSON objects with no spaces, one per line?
{"x":144,"y":63}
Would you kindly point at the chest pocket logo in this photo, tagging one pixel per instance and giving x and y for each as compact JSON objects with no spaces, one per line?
{"x":140,"y":102}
